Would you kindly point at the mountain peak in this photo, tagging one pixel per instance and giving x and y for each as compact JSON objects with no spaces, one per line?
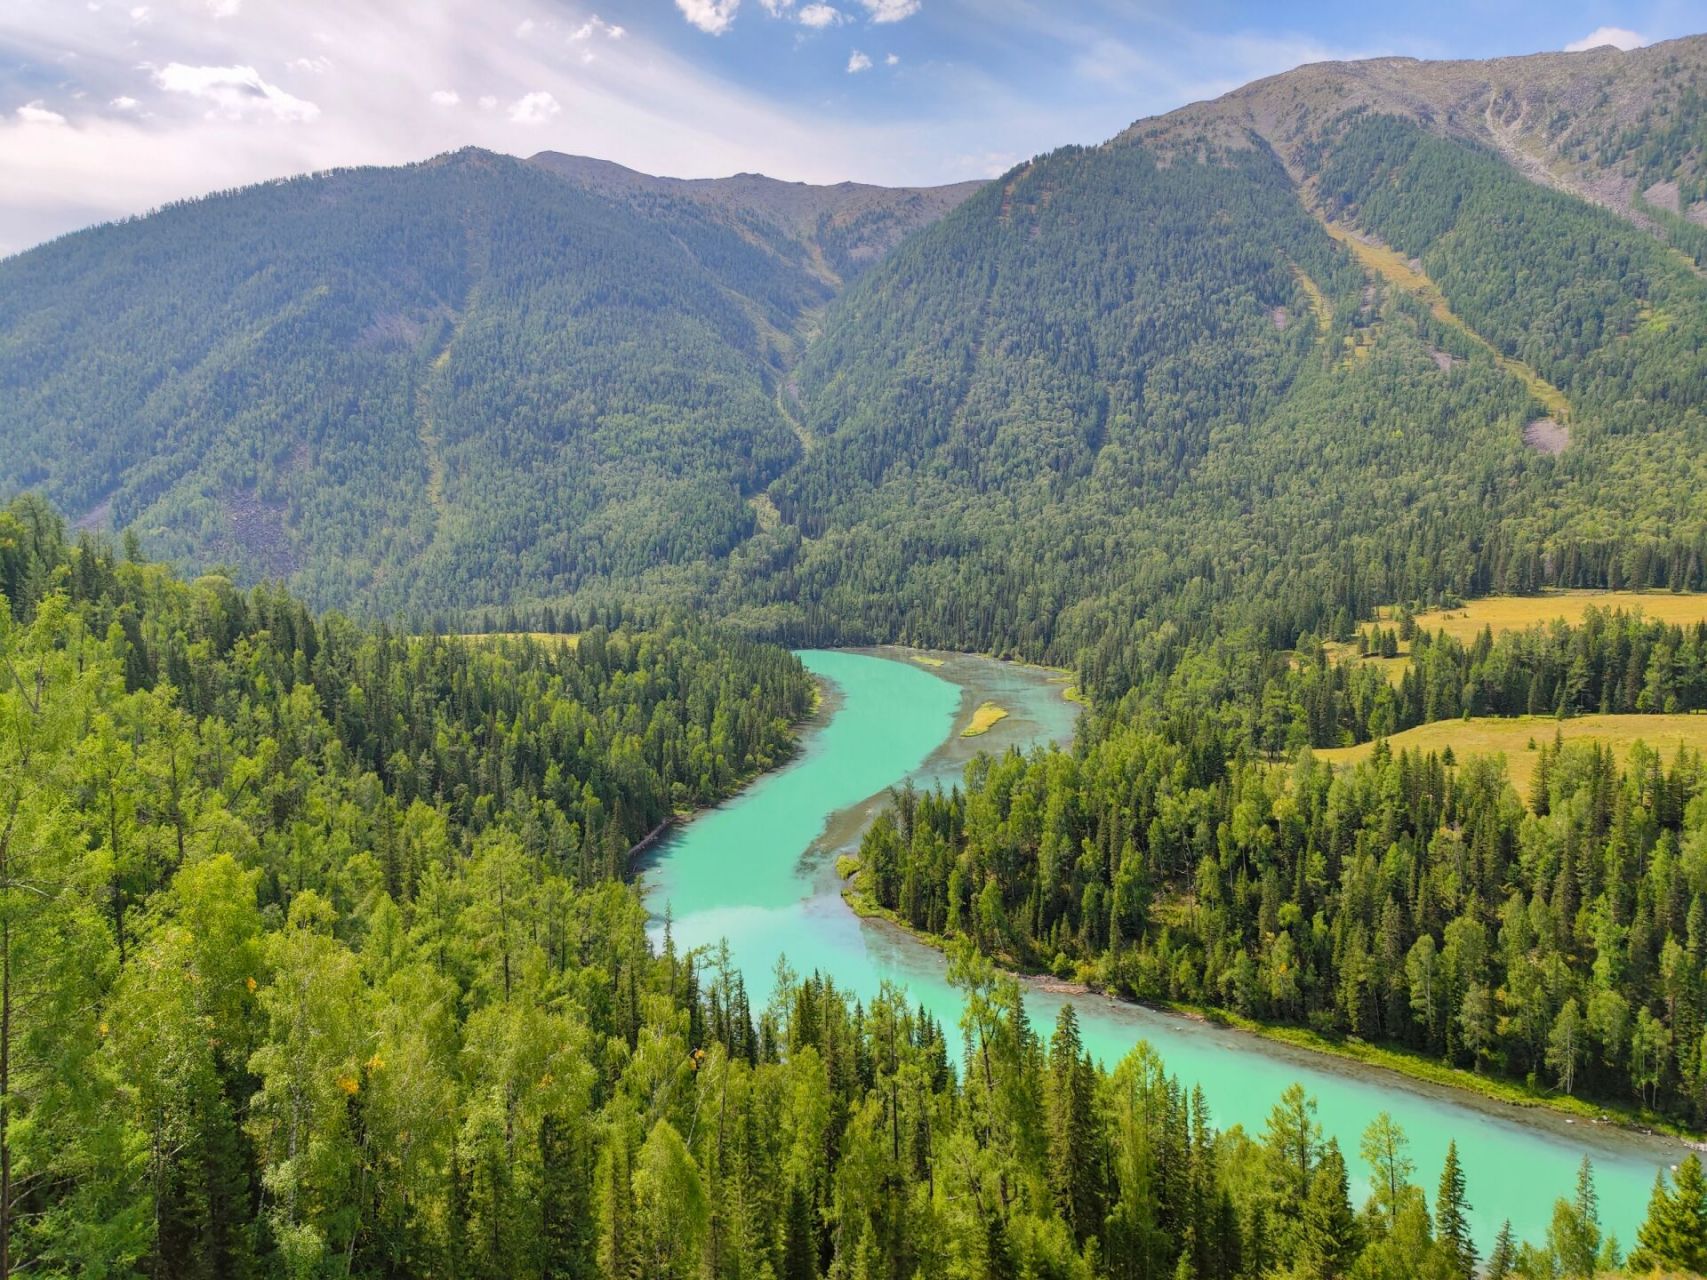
{"x":1565,"y":120}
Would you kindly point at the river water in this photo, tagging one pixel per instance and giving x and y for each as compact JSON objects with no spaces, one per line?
{"x":759,"y":872}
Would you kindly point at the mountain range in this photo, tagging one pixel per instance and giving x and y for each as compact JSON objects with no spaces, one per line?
{"x":1358,"y":332}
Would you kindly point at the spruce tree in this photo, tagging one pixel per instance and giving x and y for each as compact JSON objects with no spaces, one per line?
{"x":1503,"y":1260}
{"x":1328,"y":1228}
{"x":566,"y":1202}
{"x":1674,"y":1235}
{"x":1451,"y":1227}
{"x":799,"y":1248}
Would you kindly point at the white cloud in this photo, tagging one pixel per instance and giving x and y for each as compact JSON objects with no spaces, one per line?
{"x":776,"y":8}
{"x":891,"y":59}
{"x":37,"y":112}
{"x":224,"y":8}
{"x":713,"y":17}
{"x":445,"y":97}
{"x":858,"y":62}
{"x":124,"y":103}
{"x":314,"y":66}
{"x":596,"y":25}
{"x":234,"y":92}
{"x":534,"y":108}
{"x":140,"y":14}
{"x":1617,"y":37}
{"x":987,"y":164}
{"x":820,"y":15}
{"x":891,"y":10}
{"x":524,"y":28}
{"x":645,"y":102}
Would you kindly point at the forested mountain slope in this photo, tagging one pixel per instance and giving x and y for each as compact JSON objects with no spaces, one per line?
{"x":1359,"y":333}
{"x":455,"y":381}
{"x":1183,"y":376}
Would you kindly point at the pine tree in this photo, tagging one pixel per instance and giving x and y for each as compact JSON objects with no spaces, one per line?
{"x":1674,"y":1235}
{"x":1503,"y":1260}
{"x":566,"y":1203}
{"x":1329,"y":1229}
{"x":1451,"y":1227}
{"x":799,"y":1249}
{"x":1073,"y":1159}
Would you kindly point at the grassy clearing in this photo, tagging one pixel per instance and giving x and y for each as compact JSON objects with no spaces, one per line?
{"x":1519,"y":613}
{"x":1394,"y":668}
{"x":1511,"y":736}
{"x":570,"y":638}
{"x":765,"y":511}
{"x":985,"y":718}
{"x":1318,"y":301}
{"x":925,"y":661}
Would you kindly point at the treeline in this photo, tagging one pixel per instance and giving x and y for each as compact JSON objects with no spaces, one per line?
{"x":1401,"y":900}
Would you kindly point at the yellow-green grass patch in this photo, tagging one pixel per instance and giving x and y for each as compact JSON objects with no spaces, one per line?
{"x":764,"y":510}
{"x":925,"y":660}
{"x":1393,"y":668}
{"x":1511,"y":735}
{"x":985,"y":718}
{"x":1318,"y":302}
{"x":570,"y":638}
{"x":1519,"y":613}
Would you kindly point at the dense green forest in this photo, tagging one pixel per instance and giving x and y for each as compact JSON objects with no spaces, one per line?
{"x":316,"y":960}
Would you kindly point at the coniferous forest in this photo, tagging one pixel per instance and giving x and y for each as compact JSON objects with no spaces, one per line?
{"x":389,"y":555}
{"x":316,"y":958}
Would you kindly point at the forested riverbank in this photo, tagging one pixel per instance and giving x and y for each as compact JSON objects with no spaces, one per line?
{"x":1412,"y":900}
{"x":1379,"y":1057}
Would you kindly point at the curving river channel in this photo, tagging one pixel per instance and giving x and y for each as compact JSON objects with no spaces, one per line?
{"x":760,"y":872}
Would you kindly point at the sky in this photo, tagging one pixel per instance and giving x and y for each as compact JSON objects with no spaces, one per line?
{"x":113,"y":107}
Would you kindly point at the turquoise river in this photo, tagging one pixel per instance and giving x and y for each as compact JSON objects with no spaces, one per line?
{"x":759,"y":872}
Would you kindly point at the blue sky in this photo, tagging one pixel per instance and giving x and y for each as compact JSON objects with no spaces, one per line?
{"x":109,"y":107}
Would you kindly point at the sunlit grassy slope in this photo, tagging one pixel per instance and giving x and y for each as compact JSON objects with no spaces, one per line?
{"x":1486,"y":735}
{"x":1517,"y":613}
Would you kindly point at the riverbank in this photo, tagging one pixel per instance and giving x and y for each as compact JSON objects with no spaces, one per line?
{"x":759,"y":873}
{"x":826,"y":701}
{"x":1401,"y":1062}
